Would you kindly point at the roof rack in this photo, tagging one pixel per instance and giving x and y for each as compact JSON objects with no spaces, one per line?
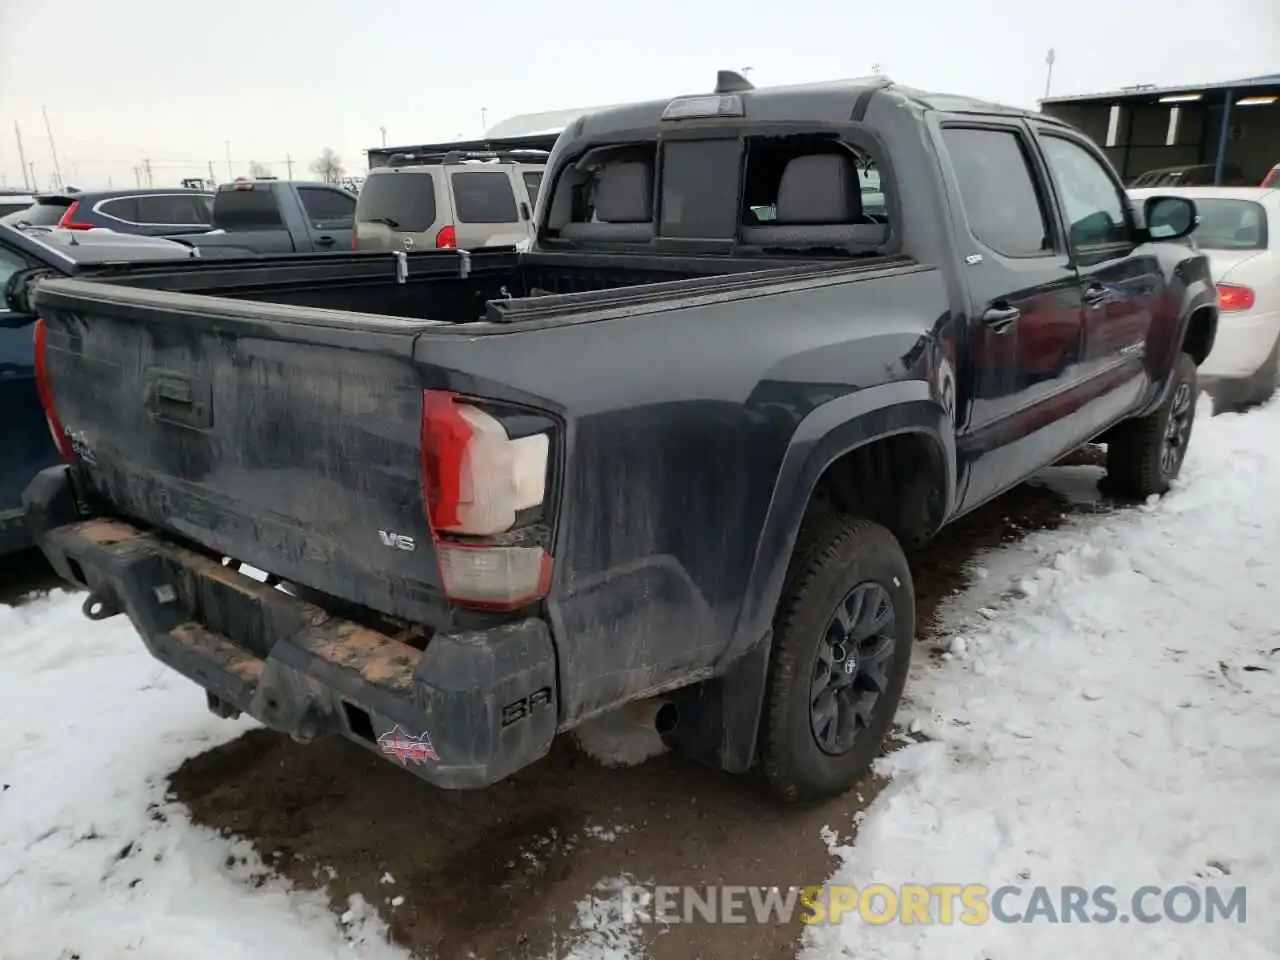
{"x":414,"y":159}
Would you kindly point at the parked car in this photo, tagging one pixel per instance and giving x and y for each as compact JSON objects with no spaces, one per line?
{"x":1238,"y":231}
{"x":456,"y":199}
{"x":667,"y":456}
{"x":1191,"y":175}
{"x":14,"y":202}
{"x":252,"y":217}
{"x":26,"y":446}
{"x":153,"y":212}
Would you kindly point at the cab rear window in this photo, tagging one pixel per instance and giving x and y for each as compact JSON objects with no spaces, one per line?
{"x":405,"y":202}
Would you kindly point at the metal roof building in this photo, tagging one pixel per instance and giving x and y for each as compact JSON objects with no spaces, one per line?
{"x":1234,"y":126}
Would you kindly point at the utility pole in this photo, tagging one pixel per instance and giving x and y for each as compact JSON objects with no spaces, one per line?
{"x":384,"y":135}
{"x":22,"y":157}
{"x":35,"y":187}
{"x":484,"y":121}
{"x":146,"y":165}
{"x":212,"y":178}
{"x":288,"y":163}
{"x":227,"y":144}
{"x":1048,"y":78}
{"x":57,"y":171}
{"x":137,"y":175}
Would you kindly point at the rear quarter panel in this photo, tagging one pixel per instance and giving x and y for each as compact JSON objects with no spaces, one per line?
{"x":676,"y":426}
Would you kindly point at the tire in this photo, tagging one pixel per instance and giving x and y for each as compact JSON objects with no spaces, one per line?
{"x":1144,"y":456}
{"x":841,"y":564}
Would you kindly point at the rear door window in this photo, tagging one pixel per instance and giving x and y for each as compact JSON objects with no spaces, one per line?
{"x":998,"y":190}
{"x":177,"y":209}
{"x":483,"y":196}
{"x":700,"y":183}
{"x":402,"y":201}
{"x":327,"y":208}
{"x":246,"y":210}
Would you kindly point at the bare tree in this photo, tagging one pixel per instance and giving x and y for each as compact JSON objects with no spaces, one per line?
{"x":257,"y":169}
{"x":328,"y":166}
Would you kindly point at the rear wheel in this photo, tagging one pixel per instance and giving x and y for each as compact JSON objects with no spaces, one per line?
{"x":1144,"y":456}
{"x":841,"y":649}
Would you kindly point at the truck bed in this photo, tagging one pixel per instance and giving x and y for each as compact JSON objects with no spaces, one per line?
{"x":450,"y":288}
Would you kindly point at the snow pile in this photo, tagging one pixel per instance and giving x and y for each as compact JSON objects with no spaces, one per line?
{"x":1114,"y":725}
{"x":93,"y":860}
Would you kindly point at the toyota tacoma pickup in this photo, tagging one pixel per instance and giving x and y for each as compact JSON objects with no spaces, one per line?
{"x":673,"y":454}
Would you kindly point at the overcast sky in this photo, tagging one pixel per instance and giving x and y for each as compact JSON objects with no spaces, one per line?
{"x":129,"y":80}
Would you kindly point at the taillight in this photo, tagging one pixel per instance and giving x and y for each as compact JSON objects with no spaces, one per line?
{"x":355,"y":239}
{"x":68,"y":220}
{"x":484,"y":494}
{"x":1234,"y":297}
{"x":447,"y":238}
{"x":45,"y":389}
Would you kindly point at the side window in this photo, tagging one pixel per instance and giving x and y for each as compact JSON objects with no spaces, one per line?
{"x":169,"y":209}
{"x":998,"y":190}
{"x":122,"y":208}
{"x":327,"y":206}
{"x":532,"y":181}
{"x":483,"y":197}
{"x":1093,"y":203}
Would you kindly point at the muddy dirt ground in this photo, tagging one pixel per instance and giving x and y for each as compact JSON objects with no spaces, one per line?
{"x":497,"y":873}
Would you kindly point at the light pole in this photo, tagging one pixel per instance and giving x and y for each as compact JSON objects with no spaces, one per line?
{"x":384,"y":135}
{"x":1048,"y":77}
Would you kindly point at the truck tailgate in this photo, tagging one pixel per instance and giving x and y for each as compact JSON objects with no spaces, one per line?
{"x":285,"y":437}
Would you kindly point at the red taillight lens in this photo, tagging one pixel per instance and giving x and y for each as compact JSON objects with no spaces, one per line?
{"x":478,"y":482}
{"x":447,"y":238}
{"x":1272,"y":179}
{"x":1233,"y":297}
{"x":355,"y":239}
{"x":45,"y":389}
{"x":68,"y":220}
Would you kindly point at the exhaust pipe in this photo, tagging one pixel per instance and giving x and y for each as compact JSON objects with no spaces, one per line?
{"x":654,"y":713}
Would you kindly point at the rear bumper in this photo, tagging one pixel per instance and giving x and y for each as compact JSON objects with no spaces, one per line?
{"x":468,"y":710}
{"x":1244,"y":342}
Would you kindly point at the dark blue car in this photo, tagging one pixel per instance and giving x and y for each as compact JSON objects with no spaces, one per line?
{"x":26,"y":445}
{"x":150,"y":212}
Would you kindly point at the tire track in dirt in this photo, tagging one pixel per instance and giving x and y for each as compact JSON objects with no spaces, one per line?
{"x":498,"y":873}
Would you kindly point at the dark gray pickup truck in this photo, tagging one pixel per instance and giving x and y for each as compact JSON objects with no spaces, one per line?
{"x":676,"y":452}
{"x":256,"y":217}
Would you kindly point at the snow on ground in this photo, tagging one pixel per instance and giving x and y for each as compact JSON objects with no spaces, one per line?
{"x":94,"y":861}
{"x":1113,"y":723}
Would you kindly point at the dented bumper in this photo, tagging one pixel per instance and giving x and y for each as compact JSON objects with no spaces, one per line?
{"x":462,"y":711}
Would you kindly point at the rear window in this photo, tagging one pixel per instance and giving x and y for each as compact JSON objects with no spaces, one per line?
{"x":12,"y":206}
{"x":402,"y":201}
{"x":700,"y":189}
{"x":1230,"y":225}
{"x":246,"y":210}
{"x":47,"y":213}
{"x":483,"y":197}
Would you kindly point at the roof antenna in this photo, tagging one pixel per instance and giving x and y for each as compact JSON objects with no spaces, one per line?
{"x":730,"y":81}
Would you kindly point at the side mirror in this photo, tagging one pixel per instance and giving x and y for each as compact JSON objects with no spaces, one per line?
{"x":1170,"y":218}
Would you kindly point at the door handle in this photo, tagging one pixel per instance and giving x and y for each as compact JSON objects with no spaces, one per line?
{"x":1096,"y":295}
{"x":1000,"y":318}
